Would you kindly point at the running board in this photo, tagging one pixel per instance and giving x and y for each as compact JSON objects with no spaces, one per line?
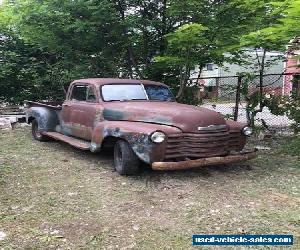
{"x":77,"y":143}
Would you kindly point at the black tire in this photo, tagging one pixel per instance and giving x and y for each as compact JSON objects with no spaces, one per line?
{"x":36,"y":133}
{"x":125,"y":160}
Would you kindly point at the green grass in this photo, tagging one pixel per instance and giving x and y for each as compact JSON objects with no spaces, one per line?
{"x":291,"y":146}
{"x":54,"y":196}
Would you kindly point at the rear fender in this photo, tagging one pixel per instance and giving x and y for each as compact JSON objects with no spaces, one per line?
{"x":46,"y":118}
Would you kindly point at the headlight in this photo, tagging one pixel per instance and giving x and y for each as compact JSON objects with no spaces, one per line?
{"x":247,"y":131}
{"x":158,"y":137}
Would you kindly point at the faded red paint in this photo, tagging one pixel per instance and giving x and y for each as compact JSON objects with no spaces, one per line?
{"x":192,"y":132}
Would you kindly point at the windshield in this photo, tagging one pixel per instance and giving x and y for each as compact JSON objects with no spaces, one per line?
{"x":159,"y":93}
{"x":127,"y":92}
{"x":115,"y":92}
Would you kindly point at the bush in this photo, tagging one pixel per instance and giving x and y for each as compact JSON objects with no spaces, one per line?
{"x":285,"y":105}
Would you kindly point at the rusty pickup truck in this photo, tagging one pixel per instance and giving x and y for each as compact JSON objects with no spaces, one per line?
{"x":142,"y":122}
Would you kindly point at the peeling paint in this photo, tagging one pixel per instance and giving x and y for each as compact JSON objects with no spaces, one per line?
{"x":134,"y":121}
{"x":47,"y":118}
{"x":114,"y":115}
{"x":140,"y":143}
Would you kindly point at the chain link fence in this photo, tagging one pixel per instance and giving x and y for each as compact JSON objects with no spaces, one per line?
{"x":225,"y":95}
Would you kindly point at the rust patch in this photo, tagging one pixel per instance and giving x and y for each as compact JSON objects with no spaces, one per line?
{"x":192,"y":132}
{"x":203,"y":162}
{"x":140,"y":143}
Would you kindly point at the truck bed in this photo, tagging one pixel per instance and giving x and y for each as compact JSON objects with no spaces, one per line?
{"x":51,"y":104}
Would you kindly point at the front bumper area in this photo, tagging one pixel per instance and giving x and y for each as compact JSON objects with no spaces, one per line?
{"x":231,"y":158}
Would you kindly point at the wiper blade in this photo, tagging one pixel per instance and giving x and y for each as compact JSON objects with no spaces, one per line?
{"x":126,"y":100}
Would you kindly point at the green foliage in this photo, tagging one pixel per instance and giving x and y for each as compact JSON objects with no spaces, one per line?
{"x":21,"y":68}
{"x":268,"y":14}
{"x":252,"y":98}
{"x":185,"y":44}
{"x":188,"y":35}
{"x":285,"y":105}
{"x":287,"y":26}
{"x":278,"y":105}
{"x":291,"y":147}
{"x":45,"y":44}
{"x":169,"y":61}
{"x":184,"y":47}
{"x":190,"y":95}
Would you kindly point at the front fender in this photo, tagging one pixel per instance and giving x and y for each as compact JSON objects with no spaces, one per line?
{"x":235,"y":126}
{"x":137,"y":134}
{"x":47,"y":119}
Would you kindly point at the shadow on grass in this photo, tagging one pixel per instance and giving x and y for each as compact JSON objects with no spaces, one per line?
{"x":107,"y":156}
{"x":266,"y":163}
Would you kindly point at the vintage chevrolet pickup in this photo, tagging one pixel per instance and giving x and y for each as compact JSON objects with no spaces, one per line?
{"x":142,"y":122}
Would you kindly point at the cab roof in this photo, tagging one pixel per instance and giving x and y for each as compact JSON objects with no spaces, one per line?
{"x":102,"y":81}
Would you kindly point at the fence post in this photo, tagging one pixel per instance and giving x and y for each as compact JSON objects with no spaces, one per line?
{"x":218,"y":86}
{"x":237,"y":98}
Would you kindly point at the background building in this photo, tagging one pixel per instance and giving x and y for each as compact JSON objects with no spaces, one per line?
{"x":292,"y":67}
{"x":220,"y":81}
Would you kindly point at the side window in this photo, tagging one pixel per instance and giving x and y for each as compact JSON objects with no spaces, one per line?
{"x":79,"y":93}
{"x":83,"y":93}
{"x":90,"y":95}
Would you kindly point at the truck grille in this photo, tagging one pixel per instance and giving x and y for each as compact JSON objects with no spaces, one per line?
{"x":203,"y":143}
{"x":236,"y":140}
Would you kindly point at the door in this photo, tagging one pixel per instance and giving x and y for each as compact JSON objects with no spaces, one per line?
{"x":79,"y":111}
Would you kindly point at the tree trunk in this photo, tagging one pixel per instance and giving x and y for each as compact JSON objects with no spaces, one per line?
{"x":200,"y":71}
{"x":261,"y":64}
{"x":184,"y":76}
{"x":181,"y":87}
{"x":162,"y":46}
{"x":130,"y":58}
{"x":261,"y":79}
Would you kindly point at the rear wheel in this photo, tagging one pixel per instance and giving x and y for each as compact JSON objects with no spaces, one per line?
{"x":36,"y":133}
{"x":125,"y":160}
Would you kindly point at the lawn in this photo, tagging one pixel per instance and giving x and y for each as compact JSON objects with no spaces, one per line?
{"x":54,"y":196}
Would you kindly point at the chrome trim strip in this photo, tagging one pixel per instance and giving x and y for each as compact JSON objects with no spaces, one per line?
{"x":212,"y":127}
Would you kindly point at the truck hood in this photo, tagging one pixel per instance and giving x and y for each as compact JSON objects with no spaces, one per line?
{"x":185,"y":117}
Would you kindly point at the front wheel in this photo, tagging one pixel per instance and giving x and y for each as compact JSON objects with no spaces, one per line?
{"x":125,"y":160}
{"x":36,"y":133}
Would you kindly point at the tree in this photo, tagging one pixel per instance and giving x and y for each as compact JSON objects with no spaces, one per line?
{"x":185,"y":44}
{"x":287,"y":26}
{"x":262,"y":38}
{"x":47,"y":44}
{"x":158,"y":39}
{"x":77,"y":32}
{"x":225,"y":22}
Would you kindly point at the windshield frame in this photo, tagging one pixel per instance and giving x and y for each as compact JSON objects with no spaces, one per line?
{"x":136,"y":100}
